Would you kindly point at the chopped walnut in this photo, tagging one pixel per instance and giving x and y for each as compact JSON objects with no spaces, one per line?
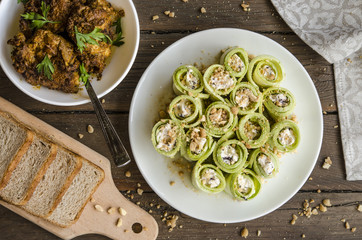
{"x":244,"y":232}
{"x":203,"y":10}
{"x":155,"y":17}
{"x":327,"y":163}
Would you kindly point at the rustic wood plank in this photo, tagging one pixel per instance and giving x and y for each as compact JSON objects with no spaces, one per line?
{"x":276,"y":225}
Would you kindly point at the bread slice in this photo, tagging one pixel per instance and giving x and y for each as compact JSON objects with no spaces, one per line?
{"x":29,"y":171}
{"x":78,"y":194}
{"x":14,"y":142}
{"x":54,"y":183}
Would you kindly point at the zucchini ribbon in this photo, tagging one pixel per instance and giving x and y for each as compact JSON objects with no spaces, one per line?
{"x":254,"y":130}
{"x":246,"y":97}
{"x":187,"y":79}
{"x":243,"y":185}
{"x":208,"y":178}
{"x":285,"y":136}
{"x":236,"y":61}
{"x":264,"y":163}
{"x":279,"y":102}
{"x":186,"y":110}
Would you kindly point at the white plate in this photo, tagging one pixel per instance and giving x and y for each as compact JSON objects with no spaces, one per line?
{"x":121,"y":62}
{"x":148,"y":99}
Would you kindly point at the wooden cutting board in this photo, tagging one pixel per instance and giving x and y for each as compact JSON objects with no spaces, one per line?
{"x":107,"y":195}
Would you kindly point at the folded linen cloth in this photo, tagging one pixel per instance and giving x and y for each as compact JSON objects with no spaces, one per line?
{"x":333,"y":28}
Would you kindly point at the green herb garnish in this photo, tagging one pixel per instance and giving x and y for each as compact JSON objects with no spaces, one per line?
{"x":23,"y":1}
{"x":46,"y":67}
{"x":83,"y":74}
{"x":91,"y":38}
{"x":37,"y":20}
{"x":118,"y":41}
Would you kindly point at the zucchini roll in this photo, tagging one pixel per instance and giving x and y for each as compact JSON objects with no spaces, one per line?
{"x":218,"y":82}
{"x":246,"y":97}
{"x":187,"y":79}
{"x":285,"y":136}
{"x":198,"y":144}
{"x":230,"y":155}
{"x":265,"y":71}
{"x":236,"y":61}
{"x":167,"y":137}
{"x":219,"y":119}
{"x":279,"y":102}
{"x":186,"y":110}
{"x":243,"y":185}
{"x":265,"y":164}
{"x":208,"y":178}
{"x":254,"y":130}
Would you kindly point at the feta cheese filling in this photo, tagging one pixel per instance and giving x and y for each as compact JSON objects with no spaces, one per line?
{"x":184,"y":108}
{"x":209,"y":178}
{"x":252,"y":130}
{"x":244,"y":97}
{"x":236,"y":63}
{"x":245,"y":185}
{"x":190,"y":80}
{"x":286,"y":137}
{"x":218,"y":117}
{"x":166,"y":137}
{"x":280,"y":99}
{"x":268,"y":72}
{"x":229,"y":155}
{"x":197,"y":140}
{"x":266,"y":163}
{"x":221,"y":79}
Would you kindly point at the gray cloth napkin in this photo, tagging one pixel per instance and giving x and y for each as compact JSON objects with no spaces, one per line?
{"x":333,"y":28}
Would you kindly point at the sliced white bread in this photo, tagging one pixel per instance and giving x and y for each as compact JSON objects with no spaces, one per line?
{"x":54,"y":183}
{"x":14,"y":142}
{"x":29,"y":171}
{"x":78,"y":194}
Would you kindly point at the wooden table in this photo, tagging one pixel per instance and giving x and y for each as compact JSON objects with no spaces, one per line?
{"x":155,"y":37}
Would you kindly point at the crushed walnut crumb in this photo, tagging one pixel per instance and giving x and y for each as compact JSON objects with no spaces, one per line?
{"x":346,"y":225}
{"x":103,"y":100}
{"x":327,"y":202}
{"x":258,"y":233}
{"x":327,"y":163}
{"x":80,"y":135}
{"x":203,"y":10}
{"x":245,"y":6}
{"x":127,"y":174}
{"x":359,"y":208}
{"x":90,"y":129}
{"x":172,"y":183}
{"x":111,"y":210}
{"x":322,"y":208}
{"x":167,"y":12}
{"x":140,"y":191}
{"x":244,"y":232}
{"x":99,"y":208}
{"x":171,"y":222}
{"x":155,"y":17}
{"x":119,"y":222}
{"x":171,"y":15}
{"x":353,"y":229}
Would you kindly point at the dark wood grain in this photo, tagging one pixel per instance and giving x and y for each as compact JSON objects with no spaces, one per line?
{"x":155,"y":37}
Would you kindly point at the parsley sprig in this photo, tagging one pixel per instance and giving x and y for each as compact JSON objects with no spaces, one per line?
{"x":46,"y":66}
{"x":83,"y":74}
{"x":118,"y":41}
{"x":91,"y":38}
{"x":37,"y":20}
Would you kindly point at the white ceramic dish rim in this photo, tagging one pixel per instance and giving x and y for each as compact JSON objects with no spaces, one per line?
{"x":187,"y":211}
{"x":133,"y":17}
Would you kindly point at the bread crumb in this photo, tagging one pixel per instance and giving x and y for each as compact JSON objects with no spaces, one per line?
{"x":98,"y":208}
{"x":111,"y":210}
{"x":90,"y":129}
{"x":327,"y":202}
{"x":140,"y":191}
{"x":244,"y":232}
{"x":359,"y":208}
{"x":80,"y":135}
{"x":127,"y":174}
{"x":171,"y":15}
{"x":119,"y":222}
{"x":327,"y":163}
{"x":155,"y":17}
{"x":203,"y":10}
{"x":122,"y":211}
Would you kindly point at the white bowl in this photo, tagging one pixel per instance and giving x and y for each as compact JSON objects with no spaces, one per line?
{"x":118,"y":67}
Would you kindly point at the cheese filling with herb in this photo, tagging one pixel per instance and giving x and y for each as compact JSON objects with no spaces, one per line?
{"x":236,"y":63}
{"x":280,"y":99}
{"x":190,"y":80}
{"x":197,"y":140}
{"x":252,"y":130}
{"x":244,"y":97}
{"x":268,"y":72}
{"x":245,"y":185}
{"x":184,"y":108}
{"x":221,"y":79}
{"x":210,"y":179}
{"x":229,"y":155}
{"x":286,"y":137}
{"x":266,"y":163}
{"x":218,"y":117}
{"x":166,"y":137}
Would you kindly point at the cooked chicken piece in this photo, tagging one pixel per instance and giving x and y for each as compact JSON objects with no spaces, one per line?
{"x":86,"y":17}
{"x":59,"y":11}
{"x":28,"y":53}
